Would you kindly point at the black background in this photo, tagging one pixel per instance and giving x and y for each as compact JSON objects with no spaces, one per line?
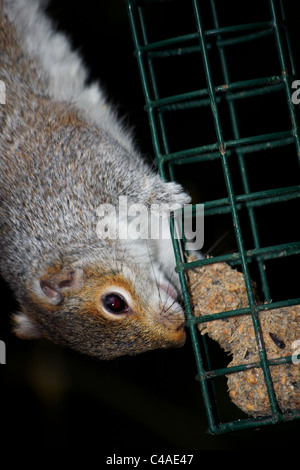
{"x":55,"y":399}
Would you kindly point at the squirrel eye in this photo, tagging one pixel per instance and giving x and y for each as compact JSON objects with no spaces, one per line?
{"x":115,"y":303}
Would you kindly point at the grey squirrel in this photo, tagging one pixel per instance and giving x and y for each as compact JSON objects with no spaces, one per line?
{"x":64,"y":153}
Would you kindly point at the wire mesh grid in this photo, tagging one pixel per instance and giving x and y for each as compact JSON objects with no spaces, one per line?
{"x":220,"y":140}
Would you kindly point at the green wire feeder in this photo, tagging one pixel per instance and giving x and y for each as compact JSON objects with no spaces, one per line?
{"x":232,"y":157}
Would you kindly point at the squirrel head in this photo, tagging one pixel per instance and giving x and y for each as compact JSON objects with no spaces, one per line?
{"x":102,"y":313}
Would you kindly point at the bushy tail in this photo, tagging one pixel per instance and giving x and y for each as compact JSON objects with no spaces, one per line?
{"x":67,"y":75}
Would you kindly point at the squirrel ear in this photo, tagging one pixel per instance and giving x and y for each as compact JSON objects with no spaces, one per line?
{"x":53,"y":286}
{"x":24,"y":328}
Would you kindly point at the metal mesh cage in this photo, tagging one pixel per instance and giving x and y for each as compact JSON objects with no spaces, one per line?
{"x":218,"y":96}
